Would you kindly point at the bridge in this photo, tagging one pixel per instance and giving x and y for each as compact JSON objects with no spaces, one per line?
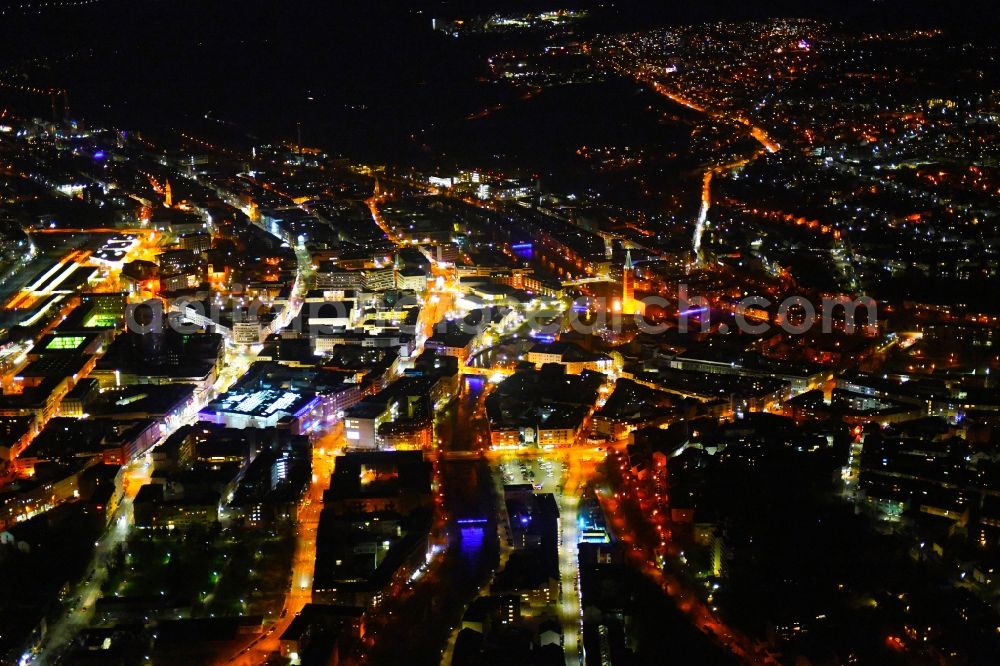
{"x":461,"y":455}
{"x":587,"y":280}
{"x":485,"y":372}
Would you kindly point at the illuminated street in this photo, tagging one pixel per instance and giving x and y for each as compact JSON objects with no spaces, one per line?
{"x":597,"y":334}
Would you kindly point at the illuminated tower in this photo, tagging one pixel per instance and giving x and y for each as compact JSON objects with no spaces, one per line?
{"x":628,"y":280}
{"x":630,"y":306}
{"x":168,"y":197}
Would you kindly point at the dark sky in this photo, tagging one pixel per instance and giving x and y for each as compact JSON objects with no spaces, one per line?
{"x":374,"y":68}
{"x":114,"y":19}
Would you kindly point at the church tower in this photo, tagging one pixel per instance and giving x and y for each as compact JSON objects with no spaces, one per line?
{"x":168,"y":196}
{"x":630,"y":306}
{"x":628,"y":280}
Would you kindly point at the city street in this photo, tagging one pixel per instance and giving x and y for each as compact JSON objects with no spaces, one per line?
{"x":564,"y":473}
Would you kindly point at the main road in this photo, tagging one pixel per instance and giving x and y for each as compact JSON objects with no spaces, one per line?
{"x":768,"y":145}
{"x":564,"y":472}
